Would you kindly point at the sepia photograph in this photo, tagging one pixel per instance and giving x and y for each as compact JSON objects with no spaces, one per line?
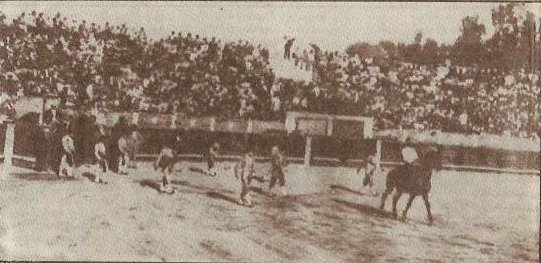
{"x":172,"y":131}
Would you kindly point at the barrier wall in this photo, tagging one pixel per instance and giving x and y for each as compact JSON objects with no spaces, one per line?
{"x":472,"y":140}
{"x":237,"y":136}
{"x":467,"y":156}
{"x":2,"y":136}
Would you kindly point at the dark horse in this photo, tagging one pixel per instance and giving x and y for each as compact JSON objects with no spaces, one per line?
{"x":414,"y":180}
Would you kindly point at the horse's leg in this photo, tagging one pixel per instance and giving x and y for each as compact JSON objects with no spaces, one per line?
{"x":427,"y":204}
{"x":390,"y":182}
{"x":396,"y":197}
{"x":410,"y":201}
{"x":384,"y":197}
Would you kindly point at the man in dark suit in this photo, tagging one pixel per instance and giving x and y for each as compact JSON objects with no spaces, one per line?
{"x":120,"y":128}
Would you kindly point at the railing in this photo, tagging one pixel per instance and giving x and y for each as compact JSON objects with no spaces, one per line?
{"x":169,"y":121}
{"x":236,"y":136}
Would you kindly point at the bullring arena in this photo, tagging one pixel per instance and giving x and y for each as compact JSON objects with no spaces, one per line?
{"x":479,"y":217}
{"x":156,"y":131}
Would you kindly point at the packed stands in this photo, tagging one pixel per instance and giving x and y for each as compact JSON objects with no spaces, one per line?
{"x":115,"y":68}
{"x":408,"y":96}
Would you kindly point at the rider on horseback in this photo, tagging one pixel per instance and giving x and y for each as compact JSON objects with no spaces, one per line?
{"x":409,"y":155}
{"x":412,"y":178}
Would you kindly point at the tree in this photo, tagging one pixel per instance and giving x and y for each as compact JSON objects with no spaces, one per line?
{"x":432,"y":53}
{"x":510,"y":45}
{"x":537,"y":51}
{"x":392,"y":52}
{"x":413,"y":52}
{"x":528,"y":32}
{"x":366,"y":50}
{"x":469,"y":48}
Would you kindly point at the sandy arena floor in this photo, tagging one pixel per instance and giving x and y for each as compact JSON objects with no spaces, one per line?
{"x":478,"y":218}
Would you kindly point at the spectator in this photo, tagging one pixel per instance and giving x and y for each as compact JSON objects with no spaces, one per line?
{"x":287,"y":48}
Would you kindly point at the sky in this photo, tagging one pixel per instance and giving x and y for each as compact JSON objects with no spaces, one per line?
{"x":333,"y":26}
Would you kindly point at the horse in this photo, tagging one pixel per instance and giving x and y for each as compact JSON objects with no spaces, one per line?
{"x":414,"y":180}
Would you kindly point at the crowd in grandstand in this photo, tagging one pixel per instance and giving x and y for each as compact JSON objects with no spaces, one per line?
{"x":115,"y":68}
{"x":107,"y":66}
{"x":443,"y":97}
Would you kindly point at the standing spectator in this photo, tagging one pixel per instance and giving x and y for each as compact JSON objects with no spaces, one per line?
{"x":123,"y":158}
{"x":100,"y":155}
{"x":135,"y":141}
{"x":41,"y":149}
{"x":463,"y":119}
{"x":83,"y":138}
{"x":67,"y":162}
{"x":58,"y":130}
{"x":287,"y":48}
{"x":118,"y":131}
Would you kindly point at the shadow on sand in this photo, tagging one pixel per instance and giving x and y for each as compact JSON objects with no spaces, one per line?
{"x":156,"y":186}
{"x":92,"y":177}
{"x":372,"y":211}
{"x":41,"y":177}
{"x":221,"y":196}
{"x":203,"y":189}
{"x":89,"y":176}
{"x":259,"y":190}
{"x":345,"y":189}
{"x":198,"y":170}
{"x":366,"y":209}
{"x":150,"y":183}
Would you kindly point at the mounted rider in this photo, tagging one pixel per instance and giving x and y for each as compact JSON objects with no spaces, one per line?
{"x":409,"y":155}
